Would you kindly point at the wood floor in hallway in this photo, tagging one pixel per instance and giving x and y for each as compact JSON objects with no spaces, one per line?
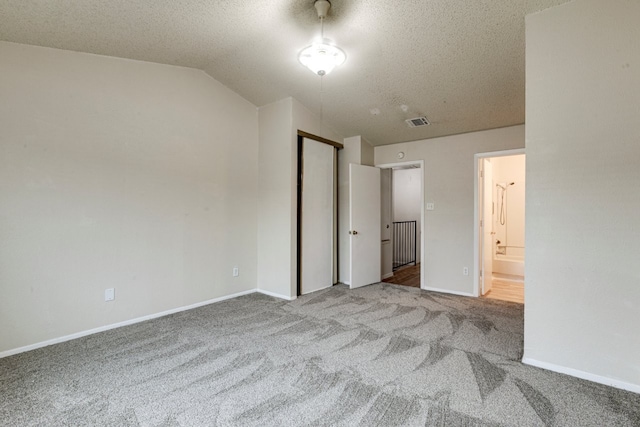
{"x":406,"y":276}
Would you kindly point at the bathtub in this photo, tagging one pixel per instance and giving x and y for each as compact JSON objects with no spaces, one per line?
{"x":512,"y":265}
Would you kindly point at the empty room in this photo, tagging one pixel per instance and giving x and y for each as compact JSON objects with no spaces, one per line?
{"x":301,"y":212}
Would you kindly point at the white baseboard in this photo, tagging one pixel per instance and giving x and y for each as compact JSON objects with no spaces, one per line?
{"x":635,"y":388}
{"x":447,"y":291}
{"x":386,"y":276}
{"x":275,"y":295}
{"x":119,"y":324}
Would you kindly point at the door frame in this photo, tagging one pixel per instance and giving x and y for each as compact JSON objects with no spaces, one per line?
{"x":477,"y":238}
{"x":300,"y":156}
{"x":422,"y":210}
{"x":485,"y":183}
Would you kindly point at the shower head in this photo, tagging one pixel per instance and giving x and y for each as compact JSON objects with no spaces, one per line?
{"x":505,"y":186}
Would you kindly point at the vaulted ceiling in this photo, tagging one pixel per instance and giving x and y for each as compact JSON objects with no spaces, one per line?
{"x":461,"y":63}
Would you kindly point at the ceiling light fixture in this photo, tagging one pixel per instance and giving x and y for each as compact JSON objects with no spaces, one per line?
{"x":323,"y":55}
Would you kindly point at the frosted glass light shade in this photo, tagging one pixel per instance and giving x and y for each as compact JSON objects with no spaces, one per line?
{"x":321,"y":57}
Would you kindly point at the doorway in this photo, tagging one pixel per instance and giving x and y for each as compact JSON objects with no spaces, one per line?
{"x":317,"y":226}
{"x":402,"y":218}
{"x":500,"y":225}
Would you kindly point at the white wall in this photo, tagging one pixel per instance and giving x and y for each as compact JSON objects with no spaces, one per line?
{"x":367,"y":153}
{"x":506,"y":170}
{"x":449,"y":177}
{"x":583,"y":198}
{"x":276,"y":200}
{"x":277,"y":218}
{"x":118,"y":173}
{"x":407,"y":205}
{"x":308,"y":121}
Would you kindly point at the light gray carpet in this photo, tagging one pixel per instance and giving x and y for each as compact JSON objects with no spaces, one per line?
{"x":380,"y":355}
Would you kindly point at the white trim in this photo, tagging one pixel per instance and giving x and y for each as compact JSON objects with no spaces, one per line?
{"x":476,"y":228}
{"x":386,"y":276}
{"x":476,"y":210}
{"x":501,"y":153}
{"x":317,"y":290}
{"x":396,"y":164}
{"x":275,"y":295}
{"x":635,"y":388}
{"x":119,"y":324}
{"x":448,"y":291}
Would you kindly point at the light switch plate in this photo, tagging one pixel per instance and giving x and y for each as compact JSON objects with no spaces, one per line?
{"x":431,"y":206}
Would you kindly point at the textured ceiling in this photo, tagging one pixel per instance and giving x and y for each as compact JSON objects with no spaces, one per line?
{"x":459,"y":62}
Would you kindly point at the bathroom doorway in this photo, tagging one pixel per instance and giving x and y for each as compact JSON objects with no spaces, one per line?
{"x":500,"y":228}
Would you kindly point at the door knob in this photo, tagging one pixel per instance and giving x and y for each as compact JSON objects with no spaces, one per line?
{"x":354,"y":232}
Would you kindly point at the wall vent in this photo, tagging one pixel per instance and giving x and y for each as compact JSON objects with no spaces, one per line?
{"x":418,"y":121}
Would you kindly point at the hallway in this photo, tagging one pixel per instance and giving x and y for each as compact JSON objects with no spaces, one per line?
{"x":406,"y":276}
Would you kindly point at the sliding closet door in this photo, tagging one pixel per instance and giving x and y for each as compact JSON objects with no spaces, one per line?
{"x":318,"y":216}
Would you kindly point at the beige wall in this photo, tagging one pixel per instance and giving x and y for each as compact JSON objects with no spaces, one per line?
{"x":449,"y":177}
{"x":276,"y":200}
{"x":123,"y":174}
{"x":583,"y":194}
{"x":277,"y":217}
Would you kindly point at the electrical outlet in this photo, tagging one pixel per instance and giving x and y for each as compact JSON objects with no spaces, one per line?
{"x":236,"y":271}
{"x":465,"y":271}
{"x":109,"y":294}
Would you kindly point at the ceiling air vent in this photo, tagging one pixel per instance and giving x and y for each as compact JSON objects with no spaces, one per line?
{"x":418,"y":121}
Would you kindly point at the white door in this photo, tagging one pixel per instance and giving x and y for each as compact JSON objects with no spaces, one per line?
{"x":316,"y":266}
{"x":364,"y":225}
{"x":487,"y":225}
